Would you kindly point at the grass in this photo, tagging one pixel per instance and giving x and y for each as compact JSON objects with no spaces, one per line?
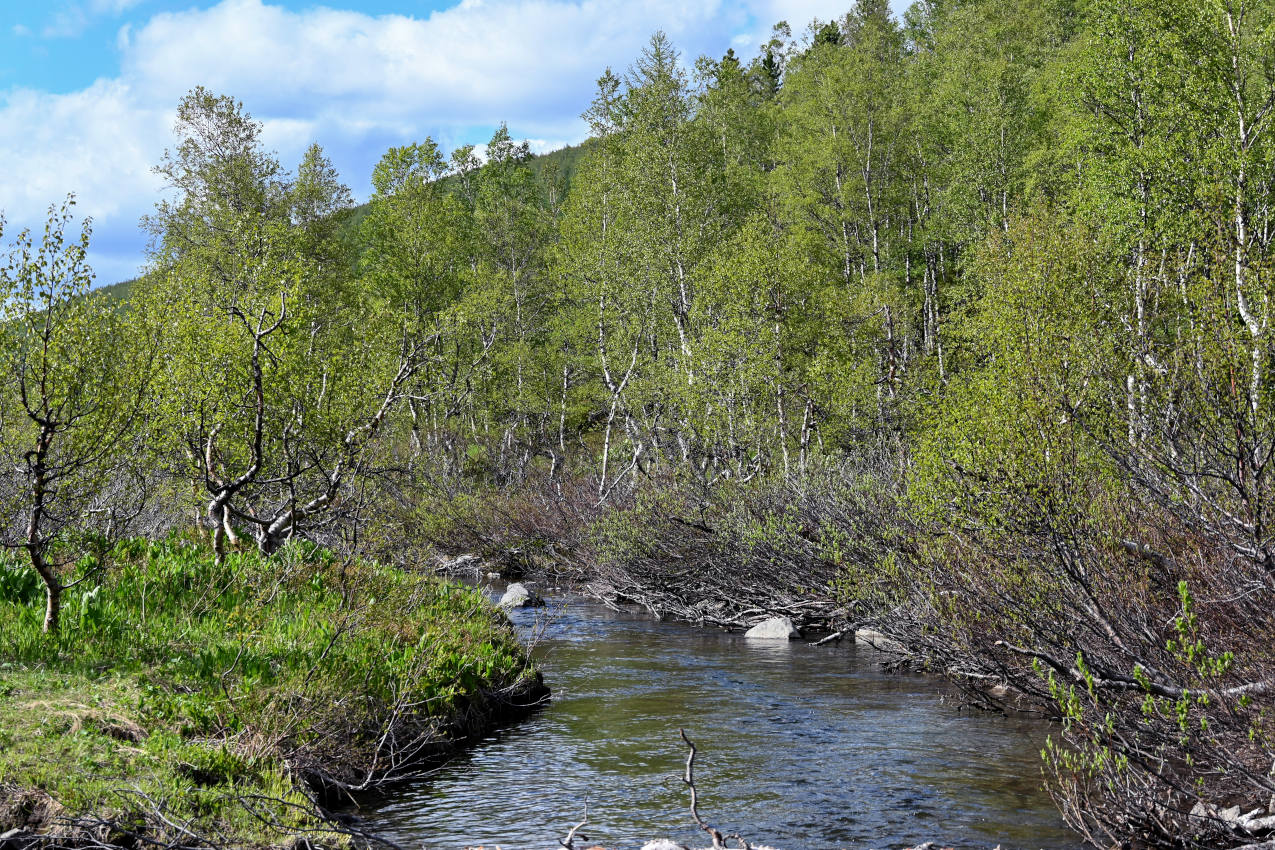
{"x":186,"y":697}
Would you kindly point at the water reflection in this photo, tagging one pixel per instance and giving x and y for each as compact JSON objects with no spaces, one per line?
{"x":806,"y":748}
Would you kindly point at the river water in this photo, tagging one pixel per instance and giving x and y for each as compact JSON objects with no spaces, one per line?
{"x":802,"y":747}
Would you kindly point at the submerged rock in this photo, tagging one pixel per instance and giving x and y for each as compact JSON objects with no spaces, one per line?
{"x":776,"y":628}
{"x":518,"y":595}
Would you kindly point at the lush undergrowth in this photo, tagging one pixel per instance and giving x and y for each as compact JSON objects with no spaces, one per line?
{"x":192,"y":702}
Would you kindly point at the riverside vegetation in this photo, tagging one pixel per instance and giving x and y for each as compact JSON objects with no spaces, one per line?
{"x":190,"y":704}
{"x":956,"y":327}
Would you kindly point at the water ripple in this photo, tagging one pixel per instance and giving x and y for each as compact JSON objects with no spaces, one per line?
{"x":807,"y":748}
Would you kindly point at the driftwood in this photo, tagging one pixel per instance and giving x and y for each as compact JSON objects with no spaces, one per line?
{"x":688,"y":778}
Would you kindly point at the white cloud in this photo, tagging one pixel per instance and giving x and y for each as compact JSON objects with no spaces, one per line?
{"x":95,"y":143}
{"x":111,"y":7}
{"x":354,"y":82}
{"x":474,"y":64}
{"x":72,"y":20}
{"x":539,"y":146}
{"x":68,"y":23}
{"x":96,"y":138}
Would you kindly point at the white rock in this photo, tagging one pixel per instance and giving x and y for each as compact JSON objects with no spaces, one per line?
{"x":518,"y":596}
{"x":1261,"y":825}
{"x":876,"y":640}
{"x":462,"y":563}
{"x":776,"y":628}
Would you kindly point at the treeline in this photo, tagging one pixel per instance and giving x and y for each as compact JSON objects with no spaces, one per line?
{"x":958,"y":326}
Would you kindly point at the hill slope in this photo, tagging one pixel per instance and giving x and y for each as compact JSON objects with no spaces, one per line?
{"x":565,"y":161}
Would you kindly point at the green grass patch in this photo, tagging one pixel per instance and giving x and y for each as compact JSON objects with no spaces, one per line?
{"x":185,"y":695}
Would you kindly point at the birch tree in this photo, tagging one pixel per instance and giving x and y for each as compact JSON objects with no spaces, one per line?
{"x":280,"y":376}
{"x":73,"y":387}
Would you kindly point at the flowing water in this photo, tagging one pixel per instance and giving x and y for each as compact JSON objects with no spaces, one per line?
{"x":802,"y":747}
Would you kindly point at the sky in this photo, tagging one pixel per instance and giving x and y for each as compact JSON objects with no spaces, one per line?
{"x":89,"y":88}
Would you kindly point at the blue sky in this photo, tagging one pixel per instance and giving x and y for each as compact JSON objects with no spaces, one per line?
{"x":88,"y":87}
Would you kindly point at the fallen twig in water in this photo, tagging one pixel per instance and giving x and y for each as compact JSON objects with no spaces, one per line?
{"x":719,"y":841}
{"x":569,"y":841}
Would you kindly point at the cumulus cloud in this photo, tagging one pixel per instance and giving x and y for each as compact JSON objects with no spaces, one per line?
{"x":354,"y":82}
{"x":72,"y":20}
{"x":96,"y":143}
{"x":524,"y":61}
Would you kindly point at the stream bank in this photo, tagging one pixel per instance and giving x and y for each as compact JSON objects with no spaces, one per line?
{"x":191,"y":704}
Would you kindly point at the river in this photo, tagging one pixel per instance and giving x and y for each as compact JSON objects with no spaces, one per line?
{"x":802,"y":747}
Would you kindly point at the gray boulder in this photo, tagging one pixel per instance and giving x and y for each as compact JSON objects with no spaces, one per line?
{"x":460,"y":565}
{"x":518,"y":595}
{"x":876,"y":640}
{"x":775,"y":628}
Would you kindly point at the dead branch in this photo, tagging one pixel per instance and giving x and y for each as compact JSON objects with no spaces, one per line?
{"x":688,"y":778}
{"x":568,"y":842}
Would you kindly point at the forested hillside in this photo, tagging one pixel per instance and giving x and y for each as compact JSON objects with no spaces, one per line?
{"x":958,"y":327}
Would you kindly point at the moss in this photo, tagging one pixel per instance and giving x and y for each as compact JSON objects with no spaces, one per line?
{"x":185,"y":693}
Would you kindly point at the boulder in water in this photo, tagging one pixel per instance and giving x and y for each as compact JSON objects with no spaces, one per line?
{"x":518,"y":595}
{"x":775,"y":628}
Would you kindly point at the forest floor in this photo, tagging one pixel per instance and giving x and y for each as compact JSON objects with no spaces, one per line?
{"x":186,"y":704}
